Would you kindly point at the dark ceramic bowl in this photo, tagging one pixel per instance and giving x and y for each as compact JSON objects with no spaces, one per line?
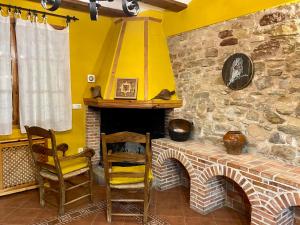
{"x":179,"y":129}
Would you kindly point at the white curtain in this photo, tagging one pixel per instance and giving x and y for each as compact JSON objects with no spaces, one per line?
{"x":44,"y":76}
{"x":5,"y":78}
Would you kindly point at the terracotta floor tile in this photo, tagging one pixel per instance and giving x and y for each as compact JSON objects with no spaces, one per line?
{"x":130,"y":221}
{"x":188,"y":212}
{"x":174,"y":220}
{"x":168,"y":209}
{"x":171,"y":206}
{"x":4,"y":212}
{"x":19,"y":220}
{"x":101,"y":219}
{"x":14,"y":202}
{"x":199,"y":221}
{"x":85,"y":221}
{"x":32,"y":202}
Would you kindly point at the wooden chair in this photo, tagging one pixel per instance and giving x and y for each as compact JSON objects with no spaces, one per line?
{"x":59,"y":170}
{"x":133,"y":178}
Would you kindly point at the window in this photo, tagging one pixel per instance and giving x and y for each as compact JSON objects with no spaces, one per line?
{"x":45,"y":75}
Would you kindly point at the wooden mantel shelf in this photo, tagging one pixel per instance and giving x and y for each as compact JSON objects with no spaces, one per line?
{"x":133,"y":104}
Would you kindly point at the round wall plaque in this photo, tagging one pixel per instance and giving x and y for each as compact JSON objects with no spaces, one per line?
{"x":237,"y":71}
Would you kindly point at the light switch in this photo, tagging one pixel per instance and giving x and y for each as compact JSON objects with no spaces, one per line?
{"x":76,"y":106}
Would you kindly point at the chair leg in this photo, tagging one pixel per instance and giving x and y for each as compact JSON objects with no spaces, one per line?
{"x":109,"y":204}
{"x":91,"y":184}
{"x":146,"y":206}
{"x":62,"y":199}
{"x":41,"y":191}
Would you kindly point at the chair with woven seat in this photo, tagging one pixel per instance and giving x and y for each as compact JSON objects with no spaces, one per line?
{"x":59,"y":169}
{"x":131,"y":178}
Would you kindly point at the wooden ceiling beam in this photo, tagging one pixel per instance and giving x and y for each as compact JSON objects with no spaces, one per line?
{"x":171,"y":5}
{"x":78,"y":5}
{"x":84,"y":7}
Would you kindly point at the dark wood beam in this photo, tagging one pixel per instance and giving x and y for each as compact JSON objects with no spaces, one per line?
{"x":171,"y":5}
{"x":84,"y":7}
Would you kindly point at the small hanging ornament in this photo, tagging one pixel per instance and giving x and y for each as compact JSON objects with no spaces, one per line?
{"x":51,"y":5}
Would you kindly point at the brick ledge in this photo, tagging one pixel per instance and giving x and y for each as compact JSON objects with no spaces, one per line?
{"x":258,"y":166}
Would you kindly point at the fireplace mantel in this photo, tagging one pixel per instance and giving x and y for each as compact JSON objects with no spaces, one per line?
{"x":133,"y":104}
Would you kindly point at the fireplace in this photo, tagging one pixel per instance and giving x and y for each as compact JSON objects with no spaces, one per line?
{"x":134,"y":120}
{"x":111,"y":120}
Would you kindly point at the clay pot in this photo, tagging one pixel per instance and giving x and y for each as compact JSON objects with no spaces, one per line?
{"x":234,"y":142}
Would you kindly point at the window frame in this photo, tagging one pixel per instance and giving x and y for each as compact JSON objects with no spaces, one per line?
{"x":14,"y":73}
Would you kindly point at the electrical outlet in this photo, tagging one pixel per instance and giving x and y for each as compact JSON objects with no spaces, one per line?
{"x":76,"y":106}
{"x":91,"y":78}
{"x":80,"y":150}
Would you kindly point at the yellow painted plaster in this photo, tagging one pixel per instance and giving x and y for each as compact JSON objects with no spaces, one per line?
{"x":202,"y":13}
{"x":130,"y":63}
{"x":87,"y":40}
{"x":160,"y":70}
{"x":93,"y":46}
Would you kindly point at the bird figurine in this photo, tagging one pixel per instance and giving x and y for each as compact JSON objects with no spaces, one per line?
{"x":165,"y":94}
{"x":96,"y":92}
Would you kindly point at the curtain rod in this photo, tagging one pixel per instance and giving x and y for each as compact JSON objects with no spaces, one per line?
{"x":68,"y":18}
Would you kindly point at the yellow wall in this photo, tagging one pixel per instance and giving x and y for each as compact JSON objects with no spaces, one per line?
{"x":92,"y":44}
{"x":131,"y":61}
{"x":87,"y":52}
{"x":131,"y":58}
{"x":205,"y":12}
{"x":160,"y":69}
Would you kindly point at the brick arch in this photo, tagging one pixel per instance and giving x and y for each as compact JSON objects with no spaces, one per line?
{"x":220,"y":170}
{"x":169,"y":154}
{"x":283,"y":201}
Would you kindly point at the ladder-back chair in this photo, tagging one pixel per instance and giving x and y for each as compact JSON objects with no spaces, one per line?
{"x":130,"y":178}
{"x":59,"y":170}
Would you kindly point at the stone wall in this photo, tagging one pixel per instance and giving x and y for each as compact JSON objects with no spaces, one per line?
{"x":268,"y":110}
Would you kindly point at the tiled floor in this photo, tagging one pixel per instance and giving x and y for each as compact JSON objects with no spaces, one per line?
{"x":171,"y":205}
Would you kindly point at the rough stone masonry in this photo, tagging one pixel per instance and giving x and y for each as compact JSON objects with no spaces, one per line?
{"x":268,"y":110}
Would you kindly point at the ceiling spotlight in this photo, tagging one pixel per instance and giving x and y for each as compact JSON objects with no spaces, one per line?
{"x":94,"y":7}
{"x":51,"y":5}
{"x":130,"y":7}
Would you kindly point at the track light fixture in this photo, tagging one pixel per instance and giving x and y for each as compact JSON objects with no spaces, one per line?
{"x":51,"y":5}
{"x":130,"y":7}
{"x":94,"y":7}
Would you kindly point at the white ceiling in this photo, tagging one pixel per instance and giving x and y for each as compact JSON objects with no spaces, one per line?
{"x":117,"y":4}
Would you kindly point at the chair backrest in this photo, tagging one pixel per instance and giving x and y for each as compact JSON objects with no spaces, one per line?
{"x":109,"y":157}
{"x":39,"y":152}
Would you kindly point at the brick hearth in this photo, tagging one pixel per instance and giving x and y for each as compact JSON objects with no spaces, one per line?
{"x":272,"y":187}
